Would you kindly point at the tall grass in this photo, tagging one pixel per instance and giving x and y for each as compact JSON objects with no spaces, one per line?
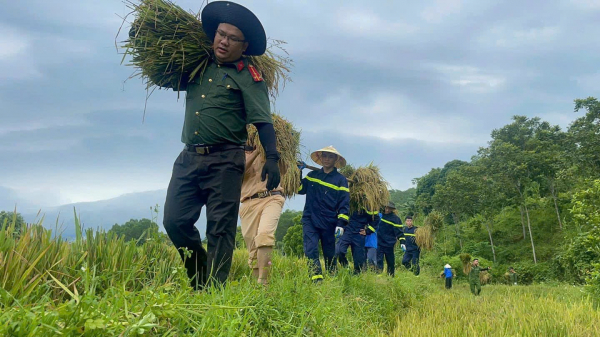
{"x":99,"y":285}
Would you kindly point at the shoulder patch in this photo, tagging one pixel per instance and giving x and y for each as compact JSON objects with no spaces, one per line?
{"x":255,"y":74}
{"x":240,"y":66}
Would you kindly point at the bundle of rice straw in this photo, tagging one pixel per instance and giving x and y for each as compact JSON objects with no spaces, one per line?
{"x":424,"y":237}
{"x":368,"y":189}
{"x":466,"y":262}
{"x":168,"y":46}
{"x":484,"y":277}
{"x":288,"y":145}
{"x":434,"y":221}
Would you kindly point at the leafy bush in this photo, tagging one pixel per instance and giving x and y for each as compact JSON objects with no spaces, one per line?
{"x":292,"y":241}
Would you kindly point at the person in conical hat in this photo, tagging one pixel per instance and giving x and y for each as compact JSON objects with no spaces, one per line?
{"x":326,"y":208}
{"x":318,"y":155}
{"x":448,"y":274}
{"x":220,"y":102}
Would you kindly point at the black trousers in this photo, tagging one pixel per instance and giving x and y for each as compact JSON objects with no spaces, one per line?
{"x":311,"y":236}
{"x":411,"y":261}
{"x":390,"y":259}
{"x":213,"y":180}
{"x":356,"y":242}
{"x":448,"y":282}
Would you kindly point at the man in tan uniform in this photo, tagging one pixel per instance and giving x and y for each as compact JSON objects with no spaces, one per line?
{"x":260,"y":211}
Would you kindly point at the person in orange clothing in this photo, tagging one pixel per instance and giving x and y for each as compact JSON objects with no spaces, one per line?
{"x":260,"y":210}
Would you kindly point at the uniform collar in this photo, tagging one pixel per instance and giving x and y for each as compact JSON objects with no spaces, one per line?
{"x":323,"y":171}
{"x":239,"y":64}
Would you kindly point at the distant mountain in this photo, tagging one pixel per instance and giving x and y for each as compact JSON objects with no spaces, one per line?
{"x":9,"y":199}
{"x":105,"y":213}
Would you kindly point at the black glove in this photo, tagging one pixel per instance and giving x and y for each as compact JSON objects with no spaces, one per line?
{"x":271,"y":168}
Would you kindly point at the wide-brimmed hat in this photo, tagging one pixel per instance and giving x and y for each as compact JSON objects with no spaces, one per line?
{"x":316,"y":156}
{"x":447,"y":266}
{"x":218,"y":12}
{"x":391,"y":205}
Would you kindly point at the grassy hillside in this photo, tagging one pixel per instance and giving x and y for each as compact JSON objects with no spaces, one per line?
{"x":99,"y":285}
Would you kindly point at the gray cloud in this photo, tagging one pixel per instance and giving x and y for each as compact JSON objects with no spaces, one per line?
{"x":408,"y":86}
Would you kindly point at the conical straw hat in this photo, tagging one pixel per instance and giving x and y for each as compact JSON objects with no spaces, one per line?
{"x":316,"y":156}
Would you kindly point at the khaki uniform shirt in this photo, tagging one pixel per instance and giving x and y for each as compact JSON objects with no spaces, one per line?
{"x":252,"y":183}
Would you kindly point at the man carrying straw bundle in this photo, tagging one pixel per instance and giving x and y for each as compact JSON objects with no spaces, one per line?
{"x":326,"y":209}
{"x":260,"y":208}
{"x":410,"y":260}
{"x":219,"y":104}
{"x":474,"y":281}
{"x":388,"y":233}
{"x":259,"y":212}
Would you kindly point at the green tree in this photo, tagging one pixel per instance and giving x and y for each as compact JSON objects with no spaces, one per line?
{"x":10,"y":218}
{"x":239,"y":238}
{"x":513,"y":161}
{"x":134,"y":229}
{"x":402,"y":197}
{"x":425,"y":190}
{"x":292,"y":241}
{"x":286,"y":220}
{"x":582,"y":256}
{"x":584,"y":137}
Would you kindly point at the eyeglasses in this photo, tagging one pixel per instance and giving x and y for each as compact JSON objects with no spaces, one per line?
{"x":233,"y":39}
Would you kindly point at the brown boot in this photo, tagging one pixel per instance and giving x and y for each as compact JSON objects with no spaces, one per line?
{"x":264,"y":264}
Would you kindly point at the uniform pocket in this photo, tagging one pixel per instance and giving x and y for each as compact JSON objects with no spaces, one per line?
{"x":228,"y":91}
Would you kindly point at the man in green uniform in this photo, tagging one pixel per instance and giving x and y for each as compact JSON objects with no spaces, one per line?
{"x":512,"y":276}
{"x":474,"y":281}
{"x":209,"y":171}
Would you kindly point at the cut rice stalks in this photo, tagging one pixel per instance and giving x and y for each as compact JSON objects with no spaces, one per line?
{"x":466,"y":262}
{"x":368,"y":189}
{"x":168,"y":47}
{"x":424,"y":237}
{"x":288,"y":146}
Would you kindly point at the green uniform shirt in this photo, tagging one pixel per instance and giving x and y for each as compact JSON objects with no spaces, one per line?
{"x":513,"y":277}
{"x":221,"y":102}
{"x":474,"y":274}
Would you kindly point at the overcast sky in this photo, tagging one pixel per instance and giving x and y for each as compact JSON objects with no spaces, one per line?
{"x":408,"y":85}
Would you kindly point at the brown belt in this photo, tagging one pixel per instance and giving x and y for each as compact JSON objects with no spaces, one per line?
{"x":263,"y":194}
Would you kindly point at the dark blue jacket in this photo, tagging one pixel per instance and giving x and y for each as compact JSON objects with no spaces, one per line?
{"x":362,"y":220}
{"x":408,"y":239}
{"x":389,"y":230}
{"x":327,"y":199}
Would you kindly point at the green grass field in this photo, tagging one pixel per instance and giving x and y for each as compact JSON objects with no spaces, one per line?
{"x":99,"y":285}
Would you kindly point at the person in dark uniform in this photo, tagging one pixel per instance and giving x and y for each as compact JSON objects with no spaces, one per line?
{"x":326,"y":209}
{"x":388,"y":233}
{"x":220,"y":103}
{"x":361,"y":224}
{"x":410,"y":260}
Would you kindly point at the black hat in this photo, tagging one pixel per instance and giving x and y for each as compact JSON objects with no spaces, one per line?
{"x":218,"y":12}
{"x":391,"y":205}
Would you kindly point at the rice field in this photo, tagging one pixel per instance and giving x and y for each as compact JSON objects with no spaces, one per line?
{"x":500,"y":310}
{"x":99,"y":285}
